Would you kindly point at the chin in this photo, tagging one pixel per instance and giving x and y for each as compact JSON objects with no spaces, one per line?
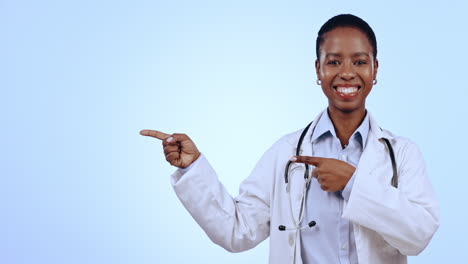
{"x":347,"y":107}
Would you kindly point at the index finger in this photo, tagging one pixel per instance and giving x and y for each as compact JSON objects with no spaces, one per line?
{"x":315,"y":161}
{"x":154,"y":133}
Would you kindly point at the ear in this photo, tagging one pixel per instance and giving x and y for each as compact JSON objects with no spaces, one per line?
{"x":376,"y":68}
{"x":317,"y":68}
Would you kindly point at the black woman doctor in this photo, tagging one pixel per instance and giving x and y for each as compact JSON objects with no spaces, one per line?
{"x":345,"y":209}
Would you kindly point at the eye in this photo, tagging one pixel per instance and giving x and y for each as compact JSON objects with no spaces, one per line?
{"x":360,"y":62}
{"x":333,"y":62}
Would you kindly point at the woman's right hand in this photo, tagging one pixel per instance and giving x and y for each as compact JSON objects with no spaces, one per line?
{"x":179,"y":149}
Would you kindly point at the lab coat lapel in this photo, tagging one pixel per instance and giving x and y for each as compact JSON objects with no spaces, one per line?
{"x":375,"y":155}
{"x":372,"y":156}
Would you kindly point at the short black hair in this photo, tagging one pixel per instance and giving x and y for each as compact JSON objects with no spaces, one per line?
{"x":346,"y":20}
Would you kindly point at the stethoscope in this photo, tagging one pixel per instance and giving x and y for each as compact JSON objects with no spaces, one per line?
{"x":297,"y":224}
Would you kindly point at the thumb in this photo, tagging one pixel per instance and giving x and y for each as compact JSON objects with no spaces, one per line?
{"x":182,"y":140}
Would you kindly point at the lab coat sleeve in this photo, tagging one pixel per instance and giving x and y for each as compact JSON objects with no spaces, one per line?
{"x":347,"y":190}
{"x":236,"y":224}
{"x":406,"y":217}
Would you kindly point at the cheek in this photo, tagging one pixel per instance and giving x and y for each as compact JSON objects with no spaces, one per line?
{"x":327,"y":75}
{"x":367,"y":75}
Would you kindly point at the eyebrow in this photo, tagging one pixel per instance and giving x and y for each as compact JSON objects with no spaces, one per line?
{"x":360,"y":54}
{"x":357,"y":54}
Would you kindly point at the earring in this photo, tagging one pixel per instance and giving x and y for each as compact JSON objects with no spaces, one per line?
{"x":319,"y":82}
{"x":374,"y":82}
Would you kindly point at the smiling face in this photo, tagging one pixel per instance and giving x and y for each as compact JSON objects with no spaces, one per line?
{"x":347,"y":68}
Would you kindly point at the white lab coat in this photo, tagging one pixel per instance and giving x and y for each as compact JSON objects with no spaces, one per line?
{"x":388,"y":223}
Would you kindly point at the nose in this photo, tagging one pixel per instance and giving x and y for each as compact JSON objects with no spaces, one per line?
{"x":347,"y":72}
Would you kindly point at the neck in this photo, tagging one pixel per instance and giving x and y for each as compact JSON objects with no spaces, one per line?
{"x":346,"y":123}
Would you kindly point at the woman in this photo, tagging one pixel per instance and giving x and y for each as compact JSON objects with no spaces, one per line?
{"x":368,"y":199}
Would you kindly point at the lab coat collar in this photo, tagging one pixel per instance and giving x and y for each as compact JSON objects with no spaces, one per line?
{"x":324,"y":125}
{"x":377,"y":131}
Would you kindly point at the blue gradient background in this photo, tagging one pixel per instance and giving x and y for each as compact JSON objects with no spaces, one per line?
{"x":80,"y":79}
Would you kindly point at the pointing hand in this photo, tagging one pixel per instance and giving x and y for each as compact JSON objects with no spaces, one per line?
{"x":331,"y":174}
{"x":179,"y":149}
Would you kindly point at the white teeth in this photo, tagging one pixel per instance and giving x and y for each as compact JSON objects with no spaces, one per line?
{"x":347,"y":90}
